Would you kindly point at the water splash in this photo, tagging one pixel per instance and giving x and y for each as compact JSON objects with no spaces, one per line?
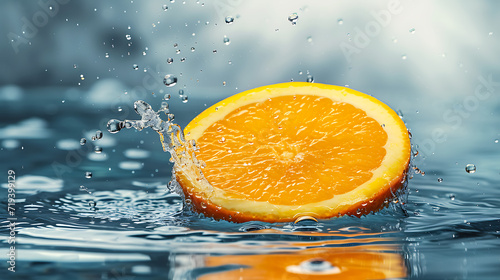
{"x":172,"y":138}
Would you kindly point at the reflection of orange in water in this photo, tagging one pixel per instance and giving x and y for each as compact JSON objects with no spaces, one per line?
{"x":359,"y":262}
{"x":282,"y":151}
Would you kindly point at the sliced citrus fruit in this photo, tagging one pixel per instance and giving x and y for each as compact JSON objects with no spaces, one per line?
{"x":283,"y":151}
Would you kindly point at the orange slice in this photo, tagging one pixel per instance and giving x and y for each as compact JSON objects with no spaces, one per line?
{"x":283,"y":151}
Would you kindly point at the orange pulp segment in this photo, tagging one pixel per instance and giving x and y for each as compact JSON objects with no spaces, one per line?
{"x":296,"y":149}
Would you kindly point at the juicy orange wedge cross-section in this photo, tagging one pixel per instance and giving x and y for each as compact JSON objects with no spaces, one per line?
{"x":296,"y":149}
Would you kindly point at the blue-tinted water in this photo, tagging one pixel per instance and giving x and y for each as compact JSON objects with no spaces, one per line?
{"x":123,"y":223}
{"x":67,"y":67}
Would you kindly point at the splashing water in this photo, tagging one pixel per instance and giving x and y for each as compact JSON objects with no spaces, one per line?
{"x":172,"y":140}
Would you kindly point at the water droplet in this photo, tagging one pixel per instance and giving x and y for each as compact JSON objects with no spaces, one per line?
{"x":203,"y":205}
{"x":340,"y":21}
{"x":88,"y":175}
{"x":114,"y":126}
{"x":98,"y":149}
{"x":470,"y":168}
{"x":92,"y":203}
{"x":226,"y":41}
{"x":229,"y":19}
{"x":440,"y":180}
{"x":181,"y":92}
{"x":404,"y":57}
{"x":98,"y":134}
{"x":183,"y":59}
{"x":166,"y":96}
{"x":293,"y":18}
{"x":223,"y":83}
{"x":310,"y":79}
{"x":192,"y":49}
{"x":165,"y":8}
{"x":496,"y":141}
{"x":135,"y":66}
{"x":309,"y":39}
{"x":452,"y":196}
{"x":128,"y":37}
{"x":214,"y":51}
{"x":184,"y":99}
{"x":170,"y":60}
{"x":170,"y":80}
{"x":106,"y":55}
{"x":412,"y":30}
{"x":83,"y":188}
{"x":305,"y":220}
{"x":222,"y":140}
{"x":83,"y":141}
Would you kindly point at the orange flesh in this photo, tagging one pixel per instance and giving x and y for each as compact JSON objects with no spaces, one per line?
{"x":292,"y":150}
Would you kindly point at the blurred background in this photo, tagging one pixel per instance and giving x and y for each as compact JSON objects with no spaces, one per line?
{"x":417,"y":56}
{"x":67,"y":67}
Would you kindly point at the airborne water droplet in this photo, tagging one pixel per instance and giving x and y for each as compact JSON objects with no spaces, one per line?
{"x":310,"y":79}
{"x":135,"y":66}
{"x":412,"y":30}
{"x":165,"y":8}
{"x":170,"y":80}
{"x":229,"y":19}
{"x":470,"y":168}
{"x":340,"y":21}
{"x":88,"y":175}
{"x":293,"y":18}
{"x":226,"y":41}
{"x":440,"y":180}
{"x":98,"y":149}
{"x":83,"y":141}
{"x":170,"y":60}
{"x":98,"y":134}
{"x":114,"y":126}
{"x":128,"y":37}
{"x":184,"y":99}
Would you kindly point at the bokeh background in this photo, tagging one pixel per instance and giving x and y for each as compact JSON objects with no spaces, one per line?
{"x":67,"y":67}
{"x":423,"y":58}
